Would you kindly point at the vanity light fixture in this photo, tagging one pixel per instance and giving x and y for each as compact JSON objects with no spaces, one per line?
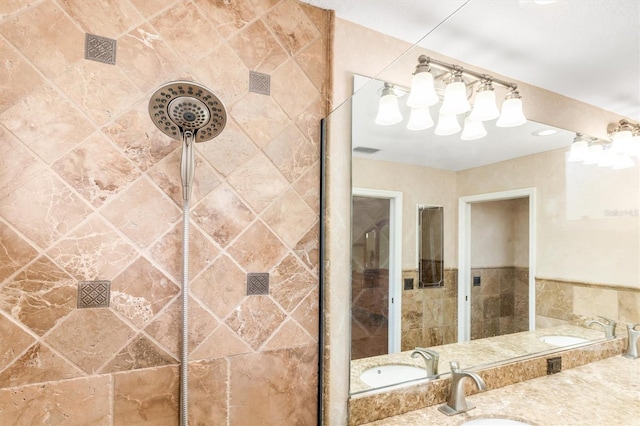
{"x":423,"y":92}
{"x":420,"y":119}
{"x":617,"y":154}
{"x":473,"y":129}
{"x":455,"y":100}
{"x":455,"y":95}
{"x":484,"y":108}
{"x":579,"y":148}
{"x":388,"y":110}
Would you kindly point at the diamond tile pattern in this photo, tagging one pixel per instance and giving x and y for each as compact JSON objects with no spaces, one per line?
{"x":90,"y":195}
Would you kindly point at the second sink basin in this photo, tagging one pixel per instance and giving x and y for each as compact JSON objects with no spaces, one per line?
{"x":386,"y":375}
{"x":562,"y":340}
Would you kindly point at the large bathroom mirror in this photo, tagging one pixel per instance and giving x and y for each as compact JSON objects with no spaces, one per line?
{"x":573,"y":228}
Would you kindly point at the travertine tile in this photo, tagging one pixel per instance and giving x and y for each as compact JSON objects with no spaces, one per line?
{"x":58,"y":39}
{"x":230,"y":149}
{"x":39,"y":296}
{"x":130,"y":212}
{"x":140,"y":140}
{"x":92,"y":251}
{"x":44,"y":209}
{"x":166,"y":327}
{"x":146,"y":58}
{"x":89,"y":337}
{"x":290,"y":77}
{"x":258,"y":49}
{"x":139,"y":354}
{"x":227,"y":17}
{"x":23,"y":166}
{"x":292,"y":372}
{"x":290,"y":282}
{"x":223,"y":215}
{"x":306,"y":314}
{"x":292,"y":26}
{"x":289,"y":335}
{"x":292,"y":153}
{"x":15,"y":252}
{"x":166,"y":174}
{"x":208,"y":392}
{"x":23,"y":76}
{"x":258,"y":181}
{"x":309,"y":60}
{"x":307,"y":187}
{"x":223,"y":342}
{"x":47,"y":123}
{"x":257,"y":249}
{"x":168,"y":252}
{"x":290,"y":217}
{"x":13,"y":340}
{"x":307,"y":249}
{"x":38,"y":364}
{"x":141,"y":291}
{"x":149,"y":396}
{"x":629,"y":306}
{"x":96,"y":169}
{"x":225,"y":75}
{"x":102,"y":91}
{"x":193,"y":38}
{"x":78,"y":402}
{"x":107,"y":19}
{"x":255,"y":319}
{"x":221,"y":286}
{"x":262,"y":127}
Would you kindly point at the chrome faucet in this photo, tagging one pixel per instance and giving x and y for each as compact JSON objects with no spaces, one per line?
{"x":430,"y":358}
{"x":608,"y":325}
{"x":632,"y":345}
{"x":456,"y":403}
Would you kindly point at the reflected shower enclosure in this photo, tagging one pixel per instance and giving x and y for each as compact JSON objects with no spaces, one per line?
{"x":430,"y":246}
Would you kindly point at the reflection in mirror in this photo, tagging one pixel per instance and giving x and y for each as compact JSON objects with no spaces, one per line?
{"x":506,"y":306}
{"x":430,"y":251}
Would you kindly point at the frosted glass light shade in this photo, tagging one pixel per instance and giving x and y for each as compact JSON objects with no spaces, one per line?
{"x":455,"y":99}
{"x":621,"y":140}
{"x":423,"y":93}
{"x":420,"y":119}
{"x":622,"y":161}
{"x":472,"y":130}
{"x":388,"y":111}
{"x":484,"y":108}
{"x":511,"y":115}
{"x":633,"y":147}
{"x":593,"y":154}
{"x":578,"y":151}
{"x":608,"y":158}
{"x":447,"y":125}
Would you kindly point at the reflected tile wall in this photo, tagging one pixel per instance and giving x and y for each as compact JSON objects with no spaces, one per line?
{"x":90,"y":189}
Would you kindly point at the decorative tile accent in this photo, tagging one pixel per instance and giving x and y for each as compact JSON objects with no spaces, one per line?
{"x":257,"y":283}
{"x":259,"y":83}
{"x":100,"y":49}
{"x":93,"y":294}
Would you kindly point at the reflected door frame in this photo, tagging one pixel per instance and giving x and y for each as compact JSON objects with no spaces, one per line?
{"x":395,"y":259}
{"x":464,"y":255}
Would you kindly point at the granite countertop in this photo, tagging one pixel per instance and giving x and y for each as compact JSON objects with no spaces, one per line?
{"x":475,"y":352}
{"x":602,"y":393}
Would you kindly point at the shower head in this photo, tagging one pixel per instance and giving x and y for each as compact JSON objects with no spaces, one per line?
{"x":184,"y":106}
{"x":187,"y":111}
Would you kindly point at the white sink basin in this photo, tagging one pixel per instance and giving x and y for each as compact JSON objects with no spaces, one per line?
{"x":386,"y":375}
{"x":494,"y":422}
{"x":563,"y":340}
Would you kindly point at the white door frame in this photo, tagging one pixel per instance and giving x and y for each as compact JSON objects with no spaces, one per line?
{"x":395,"y":259}
{"x":464,"y":255}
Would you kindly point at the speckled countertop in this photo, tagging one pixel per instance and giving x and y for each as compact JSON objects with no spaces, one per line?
{"x":603,"y":393}
{"x":475,"y":352}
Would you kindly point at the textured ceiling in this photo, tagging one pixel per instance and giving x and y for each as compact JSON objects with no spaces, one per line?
{"x":584,"y":49}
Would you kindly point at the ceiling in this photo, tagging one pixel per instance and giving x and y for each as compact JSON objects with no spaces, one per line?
{"x":587,"y":50}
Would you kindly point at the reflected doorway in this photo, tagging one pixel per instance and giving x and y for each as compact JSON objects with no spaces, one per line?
{"x":496,"y":263}
{"x":375,"y":272}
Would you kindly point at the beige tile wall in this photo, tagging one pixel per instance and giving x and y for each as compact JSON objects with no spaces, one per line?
{"x":90,"y":190}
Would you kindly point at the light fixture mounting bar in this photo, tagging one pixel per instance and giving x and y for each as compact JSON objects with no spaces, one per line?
{"x":424,"y":59}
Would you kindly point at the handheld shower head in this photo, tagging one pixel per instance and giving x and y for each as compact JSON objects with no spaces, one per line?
{"x":187,"y":111}
{"x":181,"y":106}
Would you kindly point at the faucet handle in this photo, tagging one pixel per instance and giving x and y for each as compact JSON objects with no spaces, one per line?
{"x":608,"y":321}
{"x":455,"y":367}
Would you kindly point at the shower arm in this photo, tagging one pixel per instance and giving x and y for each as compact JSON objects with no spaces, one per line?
{"x":187,"y":164}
